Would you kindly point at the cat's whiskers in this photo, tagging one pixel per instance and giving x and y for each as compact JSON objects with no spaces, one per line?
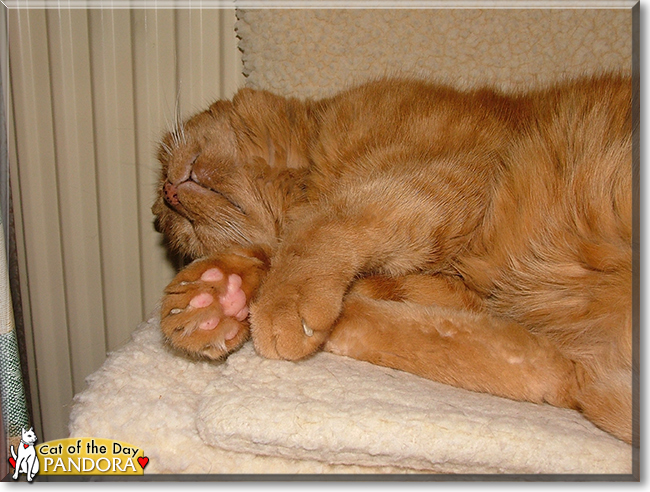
{"x":236,"y":233}
{"x":179,"y":127}
{"x":166,"y":148}
{"x":230,"y":228}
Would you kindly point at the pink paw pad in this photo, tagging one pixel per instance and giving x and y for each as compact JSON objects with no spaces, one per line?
{"x":233,"y":301}
{"x":212,"y":275}
{"x":202,"y":300}
{"x":209,"y":324}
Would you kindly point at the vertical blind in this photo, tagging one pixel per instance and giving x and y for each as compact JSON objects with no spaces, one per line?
{"x":91,"y":92}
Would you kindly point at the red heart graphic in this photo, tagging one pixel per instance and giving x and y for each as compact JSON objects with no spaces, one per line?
{"x":143,"y":460}
{"x":12,"y":462}
{"x":25,"y":446}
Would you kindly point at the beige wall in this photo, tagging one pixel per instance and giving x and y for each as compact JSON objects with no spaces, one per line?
{"x":91,"y":92}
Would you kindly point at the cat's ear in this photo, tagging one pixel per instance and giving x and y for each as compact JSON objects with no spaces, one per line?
{"x":220,"y":108}
{"x":206,"y":136}
{"x":263,"y":123}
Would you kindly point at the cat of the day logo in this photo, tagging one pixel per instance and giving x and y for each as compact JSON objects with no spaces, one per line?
{"x":76,"y":456}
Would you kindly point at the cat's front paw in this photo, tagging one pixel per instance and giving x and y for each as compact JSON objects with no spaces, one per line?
{"x":293,"y":315}
{"x":205,"y":308}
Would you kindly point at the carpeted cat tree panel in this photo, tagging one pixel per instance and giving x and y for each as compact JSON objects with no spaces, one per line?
{"x":331,"y":414}
{"x":314,"y":53}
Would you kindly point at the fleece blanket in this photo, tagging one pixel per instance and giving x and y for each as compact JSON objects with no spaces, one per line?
{"x":326,"y":414}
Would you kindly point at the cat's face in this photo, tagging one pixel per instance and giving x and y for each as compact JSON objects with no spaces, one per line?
{"x":214,"y":191}
{"x":29,"y":436}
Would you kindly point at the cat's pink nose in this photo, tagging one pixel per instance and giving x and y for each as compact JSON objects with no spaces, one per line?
{"x":171,"y":193}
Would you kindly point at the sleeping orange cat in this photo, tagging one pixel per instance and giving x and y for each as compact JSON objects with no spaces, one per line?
{"x":476,"y":238}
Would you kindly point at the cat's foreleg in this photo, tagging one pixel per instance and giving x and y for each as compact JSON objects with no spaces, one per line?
{"x":378,"y":226}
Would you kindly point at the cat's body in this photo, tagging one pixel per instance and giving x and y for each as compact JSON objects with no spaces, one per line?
{"x":475,"y":238}
{"x":25,"y":459}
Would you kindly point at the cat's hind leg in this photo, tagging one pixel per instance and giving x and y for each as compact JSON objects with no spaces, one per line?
{"x":607,"y":401}
{"x":205,"y":308}
{"x":436,"y":328}
{"x":453,"y":342}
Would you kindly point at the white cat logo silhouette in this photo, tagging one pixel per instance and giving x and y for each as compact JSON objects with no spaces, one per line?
{"x":26,"y":461}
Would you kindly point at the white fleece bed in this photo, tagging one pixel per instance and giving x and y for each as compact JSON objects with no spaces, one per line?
{"x":327,"y":414}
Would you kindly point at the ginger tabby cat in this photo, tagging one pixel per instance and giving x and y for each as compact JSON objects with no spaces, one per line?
{"x":476,"y":238}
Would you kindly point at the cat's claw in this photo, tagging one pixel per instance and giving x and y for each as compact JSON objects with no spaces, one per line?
{"x":308,"y":331}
